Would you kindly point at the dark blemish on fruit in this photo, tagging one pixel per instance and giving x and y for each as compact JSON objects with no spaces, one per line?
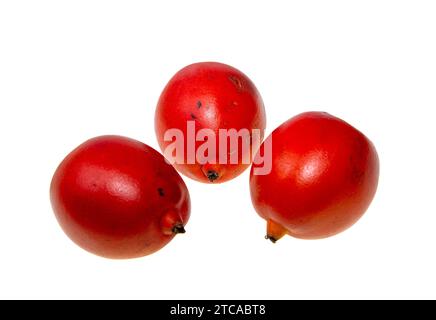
{"x":198,"y":104}
{"x":193,"y":116}
{"x":237,"y":82}
{"x":94,"y":185}
{"x":357,"y":172}
{"x":161,"y":192}
{"x":212,"y":175}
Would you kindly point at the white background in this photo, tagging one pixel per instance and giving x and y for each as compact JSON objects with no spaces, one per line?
{"x":71,"y":70}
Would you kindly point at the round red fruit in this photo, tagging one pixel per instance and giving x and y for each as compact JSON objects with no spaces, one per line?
{"x":118,"y":198}
{"x":323,"y":177}
{"x":198,"y":102}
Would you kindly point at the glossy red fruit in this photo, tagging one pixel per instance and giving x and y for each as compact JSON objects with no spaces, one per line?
{"x":324,"y":176}
{"x":118,"y":198}
{"x":214,"y":96}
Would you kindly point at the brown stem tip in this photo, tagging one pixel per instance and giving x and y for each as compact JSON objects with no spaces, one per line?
{"x":274,"y":231}
{"x":272,"y":239}
{"x":212,"y":175}
{"x":178,"y":228}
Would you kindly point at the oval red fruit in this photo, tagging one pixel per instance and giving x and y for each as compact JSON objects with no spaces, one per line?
{"x":118,"y":198}
{"x":324,"y":175}
{"x":210,"y":96}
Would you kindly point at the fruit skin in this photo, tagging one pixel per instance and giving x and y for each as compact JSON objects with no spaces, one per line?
{"x":324,"y":176}
{"x":214,"y":95}
{"x":117,"y":198}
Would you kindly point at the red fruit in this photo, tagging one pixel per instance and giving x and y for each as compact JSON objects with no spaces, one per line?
{"x":214,"y":96}
{"x":118,"y":198}
{"x":324,"y":176}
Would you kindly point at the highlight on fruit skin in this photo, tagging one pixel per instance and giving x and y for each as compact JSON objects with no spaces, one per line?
{"x":118,"y":198}
{"x":324,"y":176}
